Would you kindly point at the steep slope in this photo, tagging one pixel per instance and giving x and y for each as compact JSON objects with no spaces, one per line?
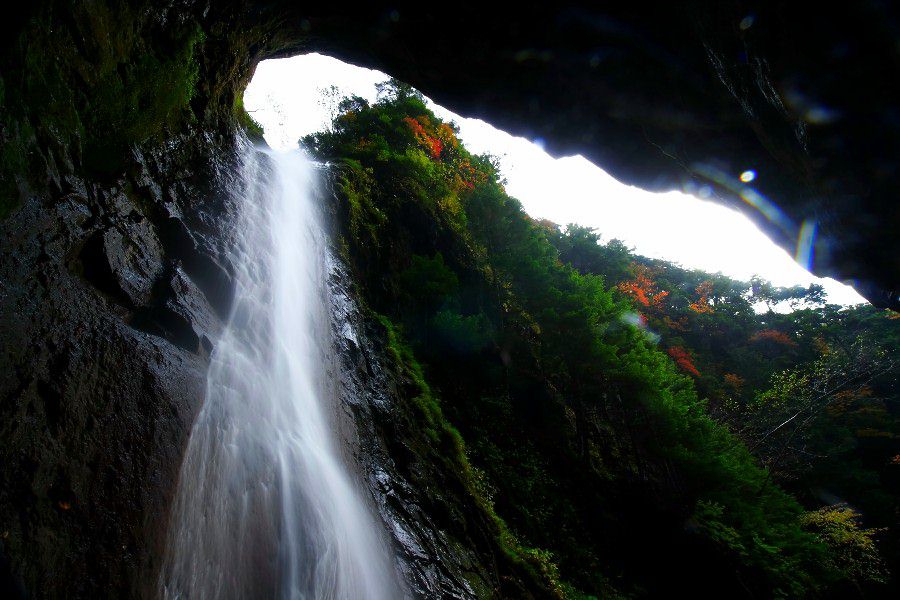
{"x":120,"y":125}
{"x":593,"y":448}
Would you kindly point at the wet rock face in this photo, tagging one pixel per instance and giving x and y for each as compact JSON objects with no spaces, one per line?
{"x":434,"y":559}
{"x":106,"y":334}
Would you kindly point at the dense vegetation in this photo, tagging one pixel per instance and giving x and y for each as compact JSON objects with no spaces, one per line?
{"x":630,"y":426}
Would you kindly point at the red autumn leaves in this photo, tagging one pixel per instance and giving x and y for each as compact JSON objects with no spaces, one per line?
{"x":431,"y":143}
{"x":436,"y":141}
{"x":684,"y":360}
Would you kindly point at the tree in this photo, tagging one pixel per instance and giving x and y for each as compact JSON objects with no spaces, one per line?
{"x":643,"y":290}
{"x":795,"y":296}
{"x":702,"y":304}
{"x":784,"y":424}
{"x":853,"y":552}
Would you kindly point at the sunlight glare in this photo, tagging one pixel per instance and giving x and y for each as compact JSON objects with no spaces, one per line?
{"x":293,"y":97}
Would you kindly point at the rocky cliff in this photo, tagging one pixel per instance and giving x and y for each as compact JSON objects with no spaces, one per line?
{"x":120,"y":126}
{"x":112,"y":295}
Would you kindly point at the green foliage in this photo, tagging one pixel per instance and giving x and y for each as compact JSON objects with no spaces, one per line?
{"x":763,"y":291}
{"x":853,"y":550}
{"x":355,"y":184}
{"x":245,"y":121}
{"x":86,"y":89}
{"x":437,"y":428}
{"x":709,"y":518}
{"x":580,"y":247}
{"x":450,"y":449}
{"x":574,"y":414}
{"x":138,"y":100}
{"x":809,"y":410}
{"x":812,"y":392}
{"x":460,"y":333}
{"x":428,"y":280}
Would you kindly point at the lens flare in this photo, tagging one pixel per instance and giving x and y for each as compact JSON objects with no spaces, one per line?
{"x":806,"y":240}
{"x":766,"y":207}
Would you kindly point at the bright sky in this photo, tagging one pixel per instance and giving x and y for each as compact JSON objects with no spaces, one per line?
{"x":287,"y":98}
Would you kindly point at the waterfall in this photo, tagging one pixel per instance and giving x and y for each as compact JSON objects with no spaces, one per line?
{"x":266,"y":507}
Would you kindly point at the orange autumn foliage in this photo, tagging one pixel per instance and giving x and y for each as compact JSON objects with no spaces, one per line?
{"x":415,"y":127}
{"x":683,"y":359}
{"x":446,"y":134}
{"x":642,"y":289}
{"x":734,"y":381}
{"x":347,"y":117}
{"x":467,"y":176}
{"x":432,"y":143}
{"x":702,"y":304}
{"x":774,"y":336}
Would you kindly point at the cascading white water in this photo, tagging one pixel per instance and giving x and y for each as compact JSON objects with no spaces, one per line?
{"x":266,"y":507}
